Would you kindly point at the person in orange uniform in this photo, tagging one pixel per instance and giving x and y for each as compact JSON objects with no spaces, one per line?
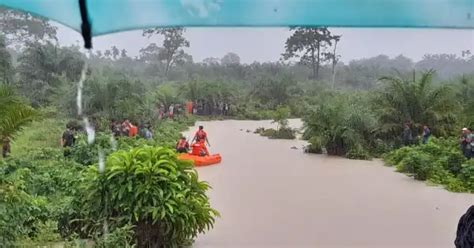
{"x":133,"y":131}
{"x":201,"y":138}
{"x":182,"y":146}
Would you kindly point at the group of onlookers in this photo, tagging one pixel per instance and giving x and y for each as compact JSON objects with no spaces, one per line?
{"x":211,"y":108}
{"x":169,"y":112}
{"x":466,"y":140}
{"x":196,"y":108}
{"x":127,"y":128}
{"x":407,"y":135}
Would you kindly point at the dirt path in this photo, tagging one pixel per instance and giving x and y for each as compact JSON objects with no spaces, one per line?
{"x":270,"y":195}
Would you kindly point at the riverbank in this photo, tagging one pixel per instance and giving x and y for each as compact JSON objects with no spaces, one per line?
{"x":270,"y":195}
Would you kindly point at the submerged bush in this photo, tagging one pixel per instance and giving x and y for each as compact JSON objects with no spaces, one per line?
{"x":466,"y":175}
{"x":282,"y":133}
{"x":341,"y":127}
{"x":416,"y":163}
{"x":315,"y":146}
{"x":358,"y":153}
{"x":440,"y":162}
{"x":152,"y":190}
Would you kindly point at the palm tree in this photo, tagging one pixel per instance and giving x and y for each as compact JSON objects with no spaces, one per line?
{"x":15,"y":114}
{"x":340,"y":125}
{"x":415,"y":101}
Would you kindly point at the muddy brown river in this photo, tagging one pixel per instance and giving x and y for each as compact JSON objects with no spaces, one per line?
{"x":272,"y":195}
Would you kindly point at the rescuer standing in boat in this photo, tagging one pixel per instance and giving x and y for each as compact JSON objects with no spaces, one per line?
{"x":201,"y":138}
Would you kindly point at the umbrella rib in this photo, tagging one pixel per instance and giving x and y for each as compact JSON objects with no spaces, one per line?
{"x":86,"y":25}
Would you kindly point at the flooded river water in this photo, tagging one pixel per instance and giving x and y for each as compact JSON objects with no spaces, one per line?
{"x":273,"y":195}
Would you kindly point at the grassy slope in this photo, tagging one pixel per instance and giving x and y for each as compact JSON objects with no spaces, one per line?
{"x":42,"y":133}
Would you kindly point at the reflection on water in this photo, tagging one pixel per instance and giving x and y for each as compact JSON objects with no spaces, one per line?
{"x":270,"y":195}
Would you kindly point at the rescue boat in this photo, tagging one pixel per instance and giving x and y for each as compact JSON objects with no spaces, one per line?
{"x":198,"y":157}
{"x":201,"y":160}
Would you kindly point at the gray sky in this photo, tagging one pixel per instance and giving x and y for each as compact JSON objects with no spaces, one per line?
{"x":266,"y":44}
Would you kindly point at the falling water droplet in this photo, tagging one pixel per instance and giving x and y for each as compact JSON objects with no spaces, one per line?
{"x":80,"y":85}
{"x":113,"y":142}
{"x":90,"y":131}
{"x":101,"y":161}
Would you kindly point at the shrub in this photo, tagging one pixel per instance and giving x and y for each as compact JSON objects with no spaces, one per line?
{"x":341,"y":126}
{"x":395,"y":157}
{"x":440,"y":162}
{"x":453,"y":161}
{"x":269,"y":132}
{"x":455,"y":185}
{"x":42,"y":183}
{"x":20,"y":212}
{"x":315,"y":146}
{"x":150,"y":189}
{"x":280,"y":116}
{"x":418,"y":164}
{"x":259,"y":130}
{"x":86,"y":154}
{"x":282,"y":133}
{"x":120,"y":237}
{"x":466,"y":174}
{"x":358,"y":153}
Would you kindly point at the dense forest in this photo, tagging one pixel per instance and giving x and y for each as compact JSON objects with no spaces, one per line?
{"x":358,"y":110}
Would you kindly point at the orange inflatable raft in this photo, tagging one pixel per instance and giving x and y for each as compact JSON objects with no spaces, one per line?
{"x":201,"y":160}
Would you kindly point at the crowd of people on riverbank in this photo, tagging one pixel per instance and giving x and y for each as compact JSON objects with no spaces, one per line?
{"x":127,"y":128}
{"x":194,"y":108}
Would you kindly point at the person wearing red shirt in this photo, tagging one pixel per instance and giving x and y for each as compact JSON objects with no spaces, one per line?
{"x":182,"y":146}
{"x":201,"y":138}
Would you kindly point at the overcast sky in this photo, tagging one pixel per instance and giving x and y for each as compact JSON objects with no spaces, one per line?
{"x":266,"y":44}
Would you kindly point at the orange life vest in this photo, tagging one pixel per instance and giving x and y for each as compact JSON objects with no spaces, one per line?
{"x":201,"y":135}
{"x":182,"y":144}
{"x":133,"y":131}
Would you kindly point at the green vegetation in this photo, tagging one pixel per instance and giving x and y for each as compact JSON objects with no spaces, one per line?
{"x":15,"y":115}
{"x":418,"y":102}
{"x":283,"y":131}
{"x":438,"y":162}
{"x":149,"y":188}
{"x":47,"y":198}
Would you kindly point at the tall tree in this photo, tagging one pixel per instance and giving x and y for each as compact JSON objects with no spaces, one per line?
{"x":123,"y":53}
{"x":416,"y":101}
{"x":115,"y":52}
{"x":173,"y":44}
{"x":230,"y":59}
{"x":334,"y":58}
{"x":308,"y":44}
{"x":150,"y":54}
{"x":107,"y":53}
{"x":6,"y":69}
{"x":42,"y":68}
{"x":211,"y":61}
